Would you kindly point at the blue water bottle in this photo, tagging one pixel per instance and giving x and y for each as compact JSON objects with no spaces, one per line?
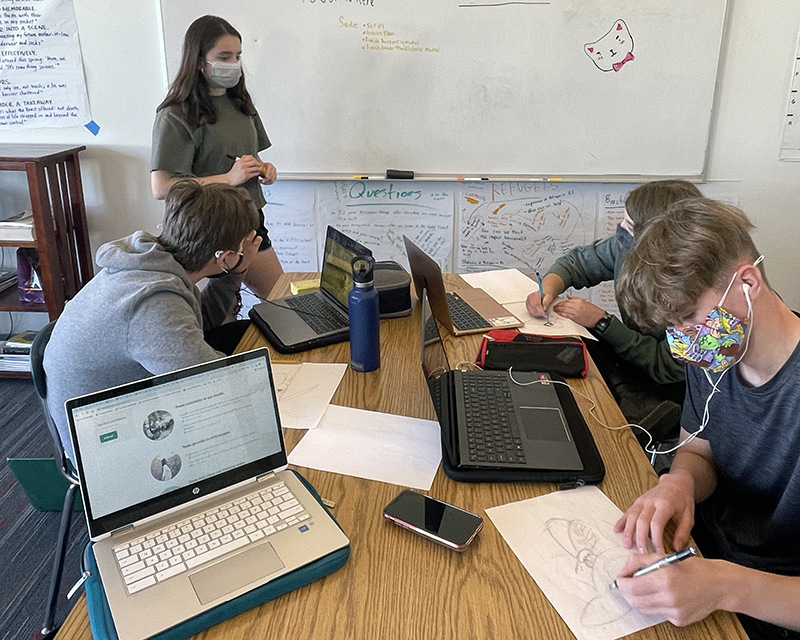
{"x":364,"y":312}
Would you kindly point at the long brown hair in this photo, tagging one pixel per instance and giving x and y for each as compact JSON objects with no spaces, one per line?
{"x":189,"y":91}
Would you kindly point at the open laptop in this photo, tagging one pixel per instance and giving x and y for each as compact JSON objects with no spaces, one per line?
{"x":488,"y":420}
{"x":183,"y":493}
{"x":319,"y":317}
{"x":462,"y":312}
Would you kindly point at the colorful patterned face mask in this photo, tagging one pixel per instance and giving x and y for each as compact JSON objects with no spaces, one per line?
{"x":717,"y":343}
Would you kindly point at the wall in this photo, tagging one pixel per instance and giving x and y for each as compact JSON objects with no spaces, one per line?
{"x":123,"y":63}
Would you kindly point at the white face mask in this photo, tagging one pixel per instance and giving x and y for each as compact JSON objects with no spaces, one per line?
{"x":224,"y":74}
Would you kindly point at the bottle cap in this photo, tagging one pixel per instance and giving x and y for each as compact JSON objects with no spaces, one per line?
{"x":363,"y":267}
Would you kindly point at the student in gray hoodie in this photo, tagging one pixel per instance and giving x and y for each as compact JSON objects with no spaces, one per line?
{"x":142,"y":314}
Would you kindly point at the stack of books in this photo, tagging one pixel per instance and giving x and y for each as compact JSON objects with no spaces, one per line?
{"x":18,"y":228}
{"x":15,"y":353}
{"x":8,"y":278}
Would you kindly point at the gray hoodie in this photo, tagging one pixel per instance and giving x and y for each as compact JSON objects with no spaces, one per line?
{"x":138,"y":317}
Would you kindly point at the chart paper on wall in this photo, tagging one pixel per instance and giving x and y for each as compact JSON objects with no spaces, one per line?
{"x":41,"y":72}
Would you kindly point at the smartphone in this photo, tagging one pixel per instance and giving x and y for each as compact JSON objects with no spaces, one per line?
{"x":434,"y":519}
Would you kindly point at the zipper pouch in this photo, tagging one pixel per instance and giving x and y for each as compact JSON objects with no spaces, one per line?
{"x":504,"y":348}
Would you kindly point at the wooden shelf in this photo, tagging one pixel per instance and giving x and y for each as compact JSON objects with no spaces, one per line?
{"x":59,"y":219}
{"x":9,"y":301}
{"x":18,"y":243}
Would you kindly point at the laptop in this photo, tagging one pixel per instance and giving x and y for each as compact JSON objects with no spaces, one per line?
{"x":184,"y":493}
{"x":488,"y":420}
{"x":462,"y":312}
{"x":319,"y":317}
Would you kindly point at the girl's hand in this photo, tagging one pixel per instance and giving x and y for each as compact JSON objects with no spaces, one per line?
{"x":243,"y":169}
{"x":268,"y":173}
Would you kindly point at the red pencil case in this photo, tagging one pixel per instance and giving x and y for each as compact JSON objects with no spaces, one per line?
{"x":504,"y":348}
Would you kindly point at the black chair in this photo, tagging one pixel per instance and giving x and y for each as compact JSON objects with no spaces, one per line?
{"x":66,"y":469}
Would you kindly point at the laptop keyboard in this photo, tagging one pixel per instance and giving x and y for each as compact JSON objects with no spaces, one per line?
{"x":317,"y":313}
{"x":464,"y":317}
{"x":179,"y":547}
{"x":492,"y":432}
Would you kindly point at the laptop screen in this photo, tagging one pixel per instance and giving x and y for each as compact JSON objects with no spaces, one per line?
{"x":433,"y":354}
{"x":139,"y":442}
{"x":337,"y":270}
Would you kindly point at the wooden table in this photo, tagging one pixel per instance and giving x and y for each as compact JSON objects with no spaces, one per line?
{"x":397,"y":585}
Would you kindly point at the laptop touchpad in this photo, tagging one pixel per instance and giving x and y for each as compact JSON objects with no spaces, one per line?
{"x":543,"y":423}
{"x":236,"y":572}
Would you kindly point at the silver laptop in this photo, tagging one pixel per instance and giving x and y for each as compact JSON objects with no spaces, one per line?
{"x":318,"y":318}
{"x":184,"y":494}
{"x":462,"y":312}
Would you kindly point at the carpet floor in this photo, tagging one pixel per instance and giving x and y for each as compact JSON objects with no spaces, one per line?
{"x":27,"y":536}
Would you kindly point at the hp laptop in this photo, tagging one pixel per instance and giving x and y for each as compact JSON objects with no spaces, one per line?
{"x":461,"y":312}
{"x":488,"y":420}
{"x":183,"y":493}
{"x":316,"y":318}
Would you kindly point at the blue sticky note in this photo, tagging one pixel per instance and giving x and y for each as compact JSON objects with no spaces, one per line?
{"x":93,"y":127}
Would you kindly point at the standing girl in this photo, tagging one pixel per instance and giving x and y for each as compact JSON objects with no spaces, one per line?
{"x":207,"y":128}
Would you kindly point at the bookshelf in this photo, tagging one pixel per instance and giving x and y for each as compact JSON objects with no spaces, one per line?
{"x":59,"y":217}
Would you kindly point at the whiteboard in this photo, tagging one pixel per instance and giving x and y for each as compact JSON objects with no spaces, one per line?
{"x":451,"y":88}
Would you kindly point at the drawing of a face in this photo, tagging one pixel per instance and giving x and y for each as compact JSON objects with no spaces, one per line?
{"x":613,"y":50}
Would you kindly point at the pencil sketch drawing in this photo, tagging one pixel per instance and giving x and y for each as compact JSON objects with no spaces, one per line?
{"x":597,"y":561}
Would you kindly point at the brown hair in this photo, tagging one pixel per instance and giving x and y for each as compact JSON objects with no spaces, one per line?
{"x":189,"y":91}
{"x":651,"y":199}
{"x":691,"y":248}
{"x":202,"y":219}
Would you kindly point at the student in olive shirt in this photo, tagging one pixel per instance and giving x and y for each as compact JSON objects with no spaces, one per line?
{"x":207,"y":128}
{"x":646,"y":382}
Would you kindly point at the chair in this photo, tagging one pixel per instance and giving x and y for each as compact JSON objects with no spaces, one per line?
{"x":66,"y":469}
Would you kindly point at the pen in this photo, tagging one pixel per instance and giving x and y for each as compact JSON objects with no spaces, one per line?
{"x":671,"y":559}
{"x":541,"y":293}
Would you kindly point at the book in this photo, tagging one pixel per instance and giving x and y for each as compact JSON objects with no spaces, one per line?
{"x":8,"y":278}
{"x":18,"y":228}
{"x":20,"y":343}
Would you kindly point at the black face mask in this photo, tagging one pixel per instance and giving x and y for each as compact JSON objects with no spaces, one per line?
{"x":624,"y":238}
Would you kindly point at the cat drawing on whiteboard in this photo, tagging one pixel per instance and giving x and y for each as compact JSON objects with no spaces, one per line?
{"x":613,"y":50}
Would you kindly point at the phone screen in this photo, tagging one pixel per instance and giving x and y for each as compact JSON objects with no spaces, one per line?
{"x":438,"y":520}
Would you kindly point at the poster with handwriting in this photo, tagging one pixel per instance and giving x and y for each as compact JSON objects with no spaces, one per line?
{"x":41,"y":72}
{"x":526,"y":225}
{"x":379,"y":213}
{"x":290,"y":217}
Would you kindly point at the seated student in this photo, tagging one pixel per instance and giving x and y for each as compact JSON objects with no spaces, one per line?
{"x":141,"y":314}
{"x":736,"y":478}
{"x":645,"y":381}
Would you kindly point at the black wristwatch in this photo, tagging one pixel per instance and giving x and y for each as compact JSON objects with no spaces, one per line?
{"x":602,"y":324}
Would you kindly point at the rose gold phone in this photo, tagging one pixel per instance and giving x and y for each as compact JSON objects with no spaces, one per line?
{"x":434,"y":519}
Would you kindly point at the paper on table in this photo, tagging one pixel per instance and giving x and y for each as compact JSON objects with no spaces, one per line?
{"x":556,"y":326}
{"x":504,"y":285}
{"x":566,"y":541}
{"x":305,"y":391}
{"x":376,"y":446}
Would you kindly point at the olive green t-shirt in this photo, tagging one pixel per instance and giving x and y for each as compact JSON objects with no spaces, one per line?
{"x":185,"y":152}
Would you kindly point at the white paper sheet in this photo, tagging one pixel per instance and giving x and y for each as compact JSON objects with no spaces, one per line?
{"x":504,"y":285}
{"x":305,"y":391}
{"x":376,"y":446}
{"x":566,"y":541}
{"x":556,"y":326}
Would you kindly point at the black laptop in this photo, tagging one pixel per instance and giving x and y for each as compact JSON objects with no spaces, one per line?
{"x":495,"y":428}
{"x":319,"y":317}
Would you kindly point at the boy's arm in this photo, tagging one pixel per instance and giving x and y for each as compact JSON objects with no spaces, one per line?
{"x":645,"y":351}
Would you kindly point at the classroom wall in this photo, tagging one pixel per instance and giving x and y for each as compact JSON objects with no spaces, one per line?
{"x":123,"y":63}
